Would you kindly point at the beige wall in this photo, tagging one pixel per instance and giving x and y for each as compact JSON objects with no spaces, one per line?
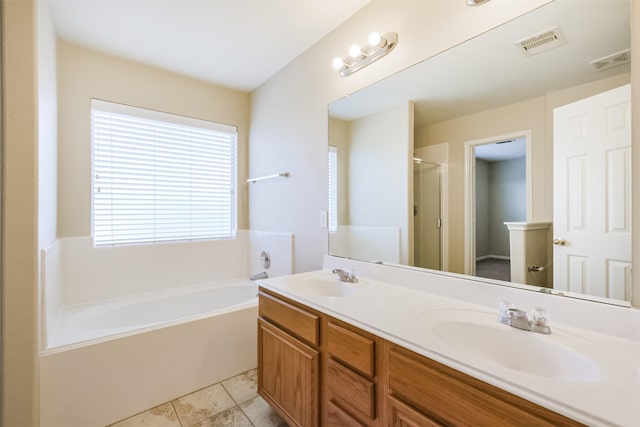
{"x":84,"y":74}
{"x":339,"y":138}
{"x":20,"y":295}
{"x":380,"y":148}
{"x":534,"y":115}
{"x":635,"y":136}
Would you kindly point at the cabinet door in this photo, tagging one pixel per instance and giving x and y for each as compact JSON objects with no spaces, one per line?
{"x":288,"y":375}
{"x":401,"y":415}
{"x":442,"y":393}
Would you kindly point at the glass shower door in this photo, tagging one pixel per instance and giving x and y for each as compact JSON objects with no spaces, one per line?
{"x":426,"y":214}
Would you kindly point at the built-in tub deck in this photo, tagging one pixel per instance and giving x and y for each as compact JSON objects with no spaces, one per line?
{"x":109,"y":360}
{"x":102,"y":319}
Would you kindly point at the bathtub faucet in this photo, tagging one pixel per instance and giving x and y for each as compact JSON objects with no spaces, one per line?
{"x":259,"y":276}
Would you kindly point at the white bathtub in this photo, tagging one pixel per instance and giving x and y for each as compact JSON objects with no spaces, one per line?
{"x":110,"y":360}
{"x":96,"y":320}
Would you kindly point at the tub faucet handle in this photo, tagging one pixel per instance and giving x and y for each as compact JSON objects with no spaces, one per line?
{"x":265,"y":259}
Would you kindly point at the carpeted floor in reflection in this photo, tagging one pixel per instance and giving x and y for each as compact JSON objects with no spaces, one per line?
{"x":493,"y":268}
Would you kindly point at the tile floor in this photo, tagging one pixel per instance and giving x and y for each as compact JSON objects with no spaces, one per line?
{"x":233,"y":402}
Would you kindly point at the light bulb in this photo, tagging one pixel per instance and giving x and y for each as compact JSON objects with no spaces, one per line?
{"x":337,"y":63}
{"x":355,"y":52}
{"x":375,"y":39}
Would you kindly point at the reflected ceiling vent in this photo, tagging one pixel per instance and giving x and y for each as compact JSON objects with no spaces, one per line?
{"x":618,"y":58}
{"x":542,"y":41}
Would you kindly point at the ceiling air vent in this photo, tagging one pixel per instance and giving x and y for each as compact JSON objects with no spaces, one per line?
{"x":618,"y":58}
{"x":542,"y":41}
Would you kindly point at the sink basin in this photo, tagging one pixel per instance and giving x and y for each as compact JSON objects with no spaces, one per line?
{"x":478,"y":337}
{"x":323,"y":287}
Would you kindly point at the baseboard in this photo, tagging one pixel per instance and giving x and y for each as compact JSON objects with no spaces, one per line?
{"x":485,"y":257}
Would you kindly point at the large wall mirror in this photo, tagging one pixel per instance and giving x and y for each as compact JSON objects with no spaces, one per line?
{"x":506,"y":158}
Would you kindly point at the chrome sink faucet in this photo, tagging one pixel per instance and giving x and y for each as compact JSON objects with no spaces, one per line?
{"x":517,"y":318}
{"x":345,"y":276}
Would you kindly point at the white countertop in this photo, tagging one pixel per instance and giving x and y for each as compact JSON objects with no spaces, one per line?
{"x":406,"y":316}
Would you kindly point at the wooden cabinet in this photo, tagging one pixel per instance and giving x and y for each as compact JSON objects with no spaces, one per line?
{"x":445,"y":396}
{"x":288,"y":368}
{"x":350,"y":373}
{"x":291,"y":317}
{"x":352,"y":347}
{"x":316,"y":370}
{"x":402,"y":415}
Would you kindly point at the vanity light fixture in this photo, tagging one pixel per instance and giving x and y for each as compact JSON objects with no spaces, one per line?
{"x":359,"y":57}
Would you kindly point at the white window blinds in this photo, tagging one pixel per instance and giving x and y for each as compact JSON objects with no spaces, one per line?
{"x":332,"y":161}
{"x":159,"y":177}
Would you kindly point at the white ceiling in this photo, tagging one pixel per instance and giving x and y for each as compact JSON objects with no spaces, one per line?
{"x":234,"y":43}
{"x":503,"y":150}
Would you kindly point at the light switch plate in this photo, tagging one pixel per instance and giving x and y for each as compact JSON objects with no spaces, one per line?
{"x":323,"y":219}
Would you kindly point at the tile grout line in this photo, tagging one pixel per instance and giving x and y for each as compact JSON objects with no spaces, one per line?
{"x":183,"y":423}
{"x":238,"y":403}
{"x":176,"y":412}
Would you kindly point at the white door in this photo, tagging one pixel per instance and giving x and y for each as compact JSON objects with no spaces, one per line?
{"x":592,"y":195}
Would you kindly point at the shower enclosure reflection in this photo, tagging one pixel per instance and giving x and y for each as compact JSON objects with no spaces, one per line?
{"x":426,"y":214}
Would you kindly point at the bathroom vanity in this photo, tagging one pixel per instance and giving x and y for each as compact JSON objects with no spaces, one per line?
{"x":314,"y":367}
{"x":368,"y":354}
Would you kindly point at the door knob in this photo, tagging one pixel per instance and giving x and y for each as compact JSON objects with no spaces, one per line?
{"x":559,"y":242}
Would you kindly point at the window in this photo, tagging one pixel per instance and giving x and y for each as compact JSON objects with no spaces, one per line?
{"x":333,"y":188}
{"x":159,"y":177}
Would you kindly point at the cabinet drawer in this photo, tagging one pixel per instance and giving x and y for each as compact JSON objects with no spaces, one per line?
{"x":336,"y":417}
{"x":401,"y":415}
{"x":299,"y":322}
{"x":454,"y":398}
{"x":350,"y":390}
{"x":351,"y":348}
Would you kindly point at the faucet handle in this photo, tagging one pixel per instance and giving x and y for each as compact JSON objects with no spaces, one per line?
{"x":539,"y":319}
{"x":504,"y":307}
{"x":539,"y":316}
{"x":509,"y":310}
{"x":509,"y":315}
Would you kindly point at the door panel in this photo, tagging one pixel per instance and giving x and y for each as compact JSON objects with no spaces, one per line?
{"x":592,"y":195}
